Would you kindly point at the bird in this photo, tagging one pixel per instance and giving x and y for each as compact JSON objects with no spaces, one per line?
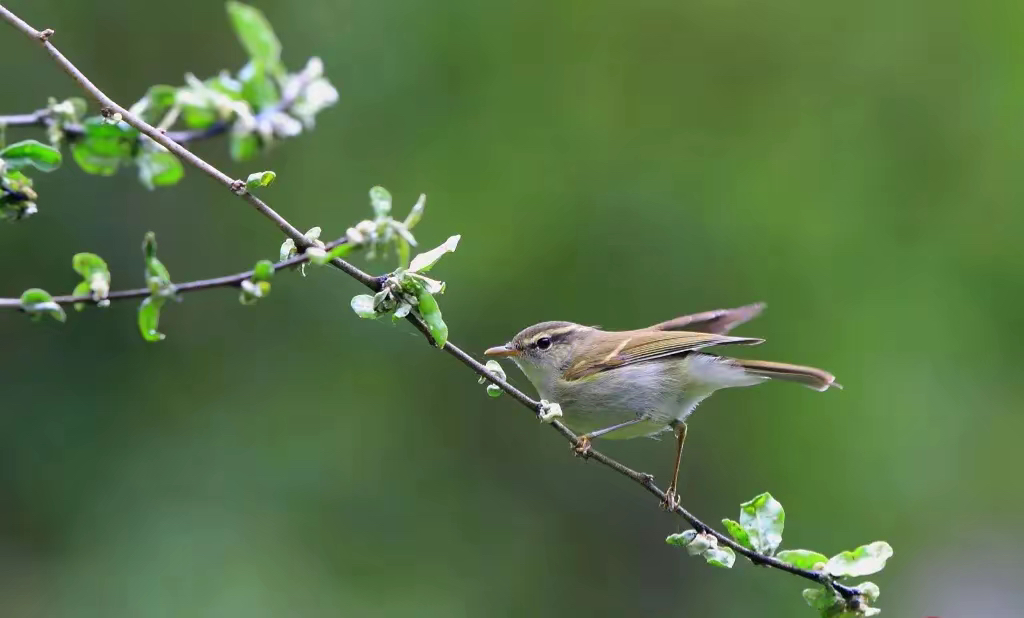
{"x":629,"y":384}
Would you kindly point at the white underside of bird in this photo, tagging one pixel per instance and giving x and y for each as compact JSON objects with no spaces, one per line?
{"x":599,"y":401}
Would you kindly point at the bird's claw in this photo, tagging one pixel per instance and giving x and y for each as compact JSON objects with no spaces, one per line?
{"x":582,"y":446}
{"x":671,"y":501}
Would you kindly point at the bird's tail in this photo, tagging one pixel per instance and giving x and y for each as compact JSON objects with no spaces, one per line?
{"x":818,"y":379}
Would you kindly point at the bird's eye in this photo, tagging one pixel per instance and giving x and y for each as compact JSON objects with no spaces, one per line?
{"x":544,"y":343}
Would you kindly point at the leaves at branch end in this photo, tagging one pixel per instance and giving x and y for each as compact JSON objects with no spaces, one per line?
{"x":158,"y":280}
{"x":95,"y":279}
{"x":36,"y":302}
{"x":260,"y":179}
{"x":158,"y":168}
{"x":425,"y":261}
{"x":31,"y":153}
{"x":431,"y":314}
{"x":865,"y":560}
{"x":803,"y":559}
{"x":706,"y":545}
{"x":255,"y":34}
{"x":763,"y":519}
{"x":104,"y":146}
{"x":257,"y":286}
{"x":406,"y":290}
{"x":384,"y":231}
{"x":17,"y":199}
{"x":830,"y":604}
{"x":149,"y":318}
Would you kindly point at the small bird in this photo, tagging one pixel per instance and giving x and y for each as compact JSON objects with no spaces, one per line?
{"x":627,"y":384}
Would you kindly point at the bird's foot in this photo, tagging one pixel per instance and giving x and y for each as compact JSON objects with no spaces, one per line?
{"x":671,"y":501}
{"x":582,"y":446}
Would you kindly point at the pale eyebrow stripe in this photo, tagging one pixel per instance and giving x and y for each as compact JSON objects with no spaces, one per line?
{"x":558,"y":332}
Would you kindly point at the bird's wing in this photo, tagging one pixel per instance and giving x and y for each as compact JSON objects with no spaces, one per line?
{"x":613,"y":350}
{"x":719,"y":321}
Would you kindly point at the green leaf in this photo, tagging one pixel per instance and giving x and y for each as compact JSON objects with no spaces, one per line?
{"x":821,"y":599}
{"x":263,"y":271}
{"x":802,"y":558}
{"x":159,"y":100}
{"x":162,"y":96}
{"x":103,"y":147}
{"x":252,"y":292}
{"x":763,"y":518}
{"x":96,"y":274}
{"x":681,"y":539}
{"x":864,"y":560}
{"x":870,"y":591}
{"x":258,"y":89}
{"x":260,"y":179}
{"x":425,"y":261}
{"x":416,"y":213}
{"x":149,"y":318}
{"x":340,"y":251}
{"x":149,"y":245}
{"x":158,"y":279}
{"x":287,"y":249}
{"x":363,"y":306}
{"x":737,"y":532}
{"x":380,"y":200}
{"x":159,"y":168}
{"x":431,"y":314}
{"x":82,"y":289}
{"x":36,"y":302}
{"x":255,"y":34}
{"x":402,"y":249}
{"x":197,"y":117}
{"x":720,"y":557}
{"x":31,"y":152}
{"x":244,"y":146}
{"x":431,"y":285}
{"x":316,"y":255}
{"x":86,"y":264}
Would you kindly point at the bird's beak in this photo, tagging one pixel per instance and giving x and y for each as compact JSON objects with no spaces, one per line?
{"x":501,"y":350}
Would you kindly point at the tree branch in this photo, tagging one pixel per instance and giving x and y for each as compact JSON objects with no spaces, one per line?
{"x":375,"y":283}
{"x":188,"y":286}
{"x":42,"y":118}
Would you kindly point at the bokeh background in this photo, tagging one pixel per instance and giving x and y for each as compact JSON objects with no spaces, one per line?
{"x":856,"y":166}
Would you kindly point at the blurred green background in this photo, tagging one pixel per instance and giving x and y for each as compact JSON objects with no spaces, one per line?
{"x":856,"y":166}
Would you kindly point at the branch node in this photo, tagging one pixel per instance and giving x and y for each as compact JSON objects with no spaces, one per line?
{"x":45,"y":35}
{"x":238,"y":187}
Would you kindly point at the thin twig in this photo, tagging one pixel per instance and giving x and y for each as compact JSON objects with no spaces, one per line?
{"x":42,"y":118}
{"x":188,"y":286}
{"x":375,"y":283}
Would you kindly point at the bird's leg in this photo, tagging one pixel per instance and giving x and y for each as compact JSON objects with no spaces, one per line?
{"x":671,"y":495}
{"x":582,"y":446}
